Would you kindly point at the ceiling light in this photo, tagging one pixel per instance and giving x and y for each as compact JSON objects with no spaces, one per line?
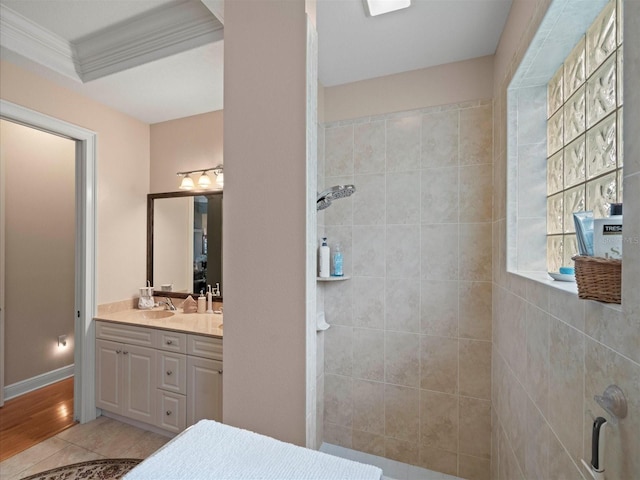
{"x":378,"y":7}
{"x":204,"y":181}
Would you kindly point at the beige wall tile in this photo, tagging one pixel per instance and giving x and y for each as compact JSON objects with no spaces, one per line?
{"x":567,"y":307}
{"x":401,"y":411}
{"x":476,"y":193}
{"x":369,"y":204}
{"x":402,"y":358}
{"x":439,"y":420}
{"x":437,"y":261}
{"x":475,"y":252}
{"x":475,"y":310}
{"x":476,"y":135}
{"x":403,"y":198}
{"x":474,"y":468}
{"x":439,"y":195}
{"x":339,"y":151}
{"x":338,"y":303}
{"x":439,"y":308}
{"x":368,"y":443}
{"x":401,"y":450}
{"x":475,"y":427}
{"x":537,"y":375}
{"x":368,"y":354}
{"x":368,"y":251}
{"x":619,"y":331}
{"x":438,"y":460}
{"x":566,"y":384}
{"x":439,"y":364}
{"x":338,"y":401}
{"x":369,"y":147}
{"x":338,"y":435}
{"x":440,"y":139}
{"x":474,"y":376}
{"x":403,"y":143}
{"x":403,"y":251}
{"x":560,"y":464}
{"x":536,"y":454}
{"x":402,"y":301}
{"x":368,"y":302}
{"x":368,"y":406}
{"x":338,"y":350}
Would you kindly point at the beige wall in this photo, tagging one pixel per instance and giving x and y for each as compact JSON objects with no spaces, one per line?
{"x":441,"y":85}
{"x":265,"y":218}
{"x":407,"y":360}
{"x":40,"y":248}
{"x":184,"y":144}
{"x":551,"y":351}
{"x":122,"y":173}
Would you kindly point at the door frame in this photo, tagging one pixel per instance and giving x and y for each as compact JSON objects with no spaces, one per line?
{"x":85,"y":256}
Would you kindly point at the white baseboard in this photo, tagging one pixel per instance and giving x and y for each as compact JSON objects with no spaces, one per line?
{"x":30,"y":384}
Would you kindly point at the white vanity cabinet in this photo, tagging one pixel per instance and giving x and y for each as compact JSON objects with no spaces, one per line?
{"x":164,"y":378}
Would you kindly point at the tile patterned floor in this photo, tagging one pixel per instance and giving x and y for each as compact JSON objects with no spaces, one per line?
{"x":101,"y":438}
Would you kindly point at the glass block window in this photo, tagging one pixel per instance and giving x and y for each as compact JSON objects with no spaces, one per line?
{"x":584,"y":133}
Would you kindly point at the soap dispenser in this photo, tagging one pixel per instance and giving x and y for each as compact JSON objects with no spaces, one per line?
{"x":202,"y":303}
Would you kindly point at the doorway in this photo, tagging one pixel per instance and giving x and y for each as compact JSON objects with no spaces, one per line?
{"x":83,"y":231}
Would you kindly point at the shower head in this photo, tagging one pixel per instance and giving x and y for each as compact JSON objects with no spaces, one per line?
{"x":339,"y":191}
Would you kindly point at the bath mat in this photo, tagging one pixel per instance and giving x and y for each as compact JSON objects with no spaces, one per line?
{"x":105,"y":469}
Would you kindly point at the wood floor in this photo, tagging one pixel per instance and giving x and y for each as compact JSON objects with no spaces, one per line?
{"x":35,"y":416}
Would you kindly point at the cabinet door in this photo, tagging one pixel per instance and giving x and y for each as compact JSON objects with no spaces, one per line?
{"x":172,"y":372}
{"x":108,"y":376}
{"x":139,"y":374}
{"x":172,"y":411}
{"x":204,"y":389}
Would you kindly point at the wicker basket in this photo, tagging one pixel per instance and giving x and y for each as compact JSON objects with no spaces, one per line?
{"x":598,"y":278}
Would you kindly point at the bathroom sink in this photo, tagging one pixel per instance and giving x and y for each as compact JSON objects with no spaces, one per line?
{"x":154,"y":314}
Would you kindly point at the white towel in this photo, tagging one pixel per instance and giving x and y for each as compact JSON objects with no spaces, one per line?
{"x":212,"y":450}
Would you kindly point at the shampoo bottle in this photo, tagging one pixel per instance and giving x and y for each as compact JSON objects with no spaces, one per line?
{"x":323,"y":259}
{"x":337,"y":262}
{"x":607,"y":234}
{"x":202,"y":303}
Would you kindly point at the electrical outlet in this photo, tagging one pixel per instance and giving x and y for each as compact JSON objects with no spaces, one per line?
{"x":62,"y":341}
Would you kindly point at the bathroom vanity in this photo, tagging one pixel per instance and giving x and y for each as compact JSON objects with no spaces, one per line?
{"x":158,"y":367}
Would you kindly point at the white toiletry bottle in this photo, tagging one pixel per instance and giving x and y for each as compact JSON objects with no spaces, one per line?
{"x":337,"y":262}
{"x":607,"y":234}
{"x":324,"y":259}
{"x":209,"y":300}
{"x":202,"y":303}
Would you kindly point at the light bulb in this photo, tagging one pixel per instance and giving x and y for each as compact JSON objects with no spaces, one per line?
{"x":220,"y":179}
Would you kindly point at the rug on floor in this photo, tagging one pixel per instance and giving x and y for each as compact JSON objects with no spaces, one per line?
{"x":105,"y":469}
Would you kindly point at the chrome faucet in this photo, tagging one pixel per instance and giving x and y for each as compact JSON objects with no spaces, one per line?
{"x":168,"y":303}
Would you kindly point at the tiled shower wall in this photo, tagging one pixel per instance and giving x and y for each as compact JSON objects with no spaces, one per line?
{"x":551,"y":351}
{"x":407,"y":361}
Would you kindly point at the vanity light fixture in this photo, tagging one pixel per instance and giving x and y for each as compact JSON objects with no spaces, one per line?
{"x":378,"y":7}
{"x":204,"y":181}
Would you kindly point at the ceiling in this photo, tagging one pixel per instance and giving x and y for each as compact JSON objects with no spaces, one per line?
{"x":182,"y":74}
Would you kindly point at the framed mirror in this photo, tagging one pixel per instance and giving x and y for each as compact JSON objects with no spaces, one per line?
{"x":184,"y":242}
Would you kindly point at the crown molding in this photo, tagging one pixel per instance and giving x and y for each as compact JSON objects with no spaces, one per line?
{"x":154,"y":35}
{"x":27,"y":38}
{"x":162,"y":32}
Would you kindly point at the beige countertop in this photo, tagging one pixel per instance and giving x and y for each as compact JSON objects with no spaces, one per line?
{"x":200,"y":323}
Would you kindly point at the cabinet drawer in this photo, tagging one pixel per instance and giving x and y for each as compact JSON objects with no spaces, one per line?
{"x":172,"y":411}
{"x":207,"y":347}
{"x":172,"y":372}
{"x":170,"y":341}
{"x":125,"y":333}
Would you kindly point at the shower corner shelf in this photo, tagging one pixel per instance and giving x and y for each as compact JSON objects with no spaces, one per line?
{"x":333,"y":279}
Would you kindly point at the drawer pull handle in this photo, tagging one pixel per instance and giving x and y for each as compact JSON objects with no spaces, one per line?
{"x":169,"y":372}
{"x":169,"y":342}
{"x":168,"y":412}
{"x":125,"y":352}
{"x":118,"y":351}
{"x":220,"y":372}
